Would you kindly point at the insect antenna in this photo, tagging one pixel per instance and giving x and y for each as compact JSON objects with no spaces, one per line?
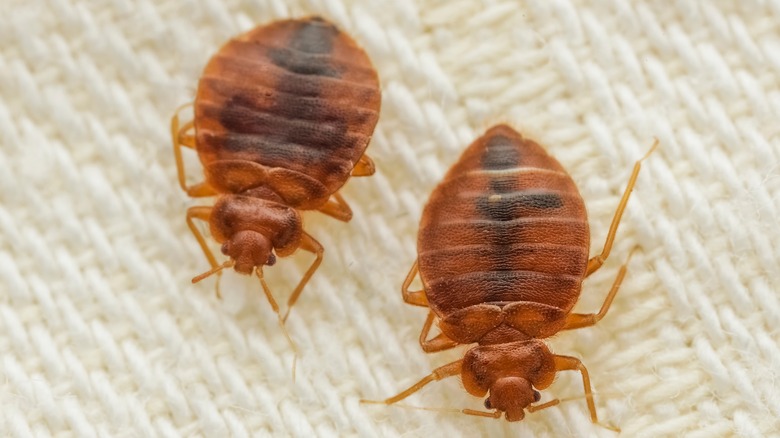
{"x":227,"y":264}
{"x":557,"y":401}
{"x":496,"y":414}
{"x":275,"y":307}
{"x":473,"y":412}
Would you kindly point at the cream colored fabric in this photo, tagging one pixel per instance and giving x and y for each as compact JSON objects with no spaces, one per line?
{"x":102,"y":334}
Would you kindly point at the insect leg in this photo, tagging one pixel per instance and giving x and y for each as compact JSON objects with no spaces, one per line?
{"x":177,"y":144}
{"x":580,"y":320}
{"x":364,"y":167}
{"x":415,"y":298}
{"x":449,"y":370}
{"x":595,"y":262}
{"x":275,"y":307}
{"x":337,"y":207}
{"x":439,"y":343}
{"x":180,"y":138}
{"x":185,"y":139}
{"x":204,"y":213}
{"x":568,"y":363}
{"x":307,"y":244}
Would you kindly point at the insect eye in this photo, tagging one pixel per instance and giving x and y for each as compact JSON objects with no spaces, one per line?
{"x":537,"y":396}
{"x":487,"y":404}
{"x":271,"y":260}
{"x":225,"y":248}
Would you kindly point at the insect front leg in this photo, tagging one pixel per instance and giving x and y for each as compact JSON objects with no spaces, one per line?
{"x":181,"y":137}
{"x":595,"y":262}
{"x":308,"y":243}
{"x":449,"y":370}
{"x":568,"y":363}
{"x":204,"y":214}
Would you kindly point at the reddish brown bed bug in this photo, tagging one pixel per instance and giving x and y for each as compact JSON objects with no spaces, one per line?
{"x":502,"y":252}
{"x":282,"y":118}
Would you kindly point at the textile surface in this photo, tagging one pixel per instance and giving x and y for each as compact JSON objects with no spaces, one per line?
{"x":103,"y":334}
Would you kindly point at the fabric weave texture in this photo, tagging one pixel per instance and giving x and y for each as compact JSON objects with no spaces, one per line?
{"x":103,"y":334}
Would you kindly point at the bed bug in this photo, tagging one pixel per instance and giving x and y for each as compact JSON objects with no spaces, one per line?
{"x":282,"y":118}
{"x":502,"y":251}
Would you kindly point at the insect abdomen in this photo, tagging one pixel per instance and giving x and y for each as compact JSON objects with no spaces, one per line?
{"x":296,"y":94}
{"x":507,"y":224}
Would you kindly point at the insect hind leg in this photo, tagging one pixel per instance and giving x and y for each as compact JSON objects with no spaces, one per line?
{"x":180,"y":138}
{"x":415,"y":298}
{"x":595,"y":262}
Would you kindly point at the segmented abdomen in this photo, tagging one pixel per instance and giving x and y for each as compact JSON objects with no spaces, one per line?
{"x":507,"y":224}
{"x":296,"y":94}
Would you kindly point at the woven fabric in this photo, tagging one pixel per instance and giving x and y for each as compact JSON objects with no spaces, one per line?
{"x":102,"y":333}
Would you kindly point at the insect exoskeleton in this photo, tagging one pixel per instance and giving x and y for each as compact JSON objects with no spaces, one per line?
{"x":282,"y":118}
{"x":502,"y":251}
